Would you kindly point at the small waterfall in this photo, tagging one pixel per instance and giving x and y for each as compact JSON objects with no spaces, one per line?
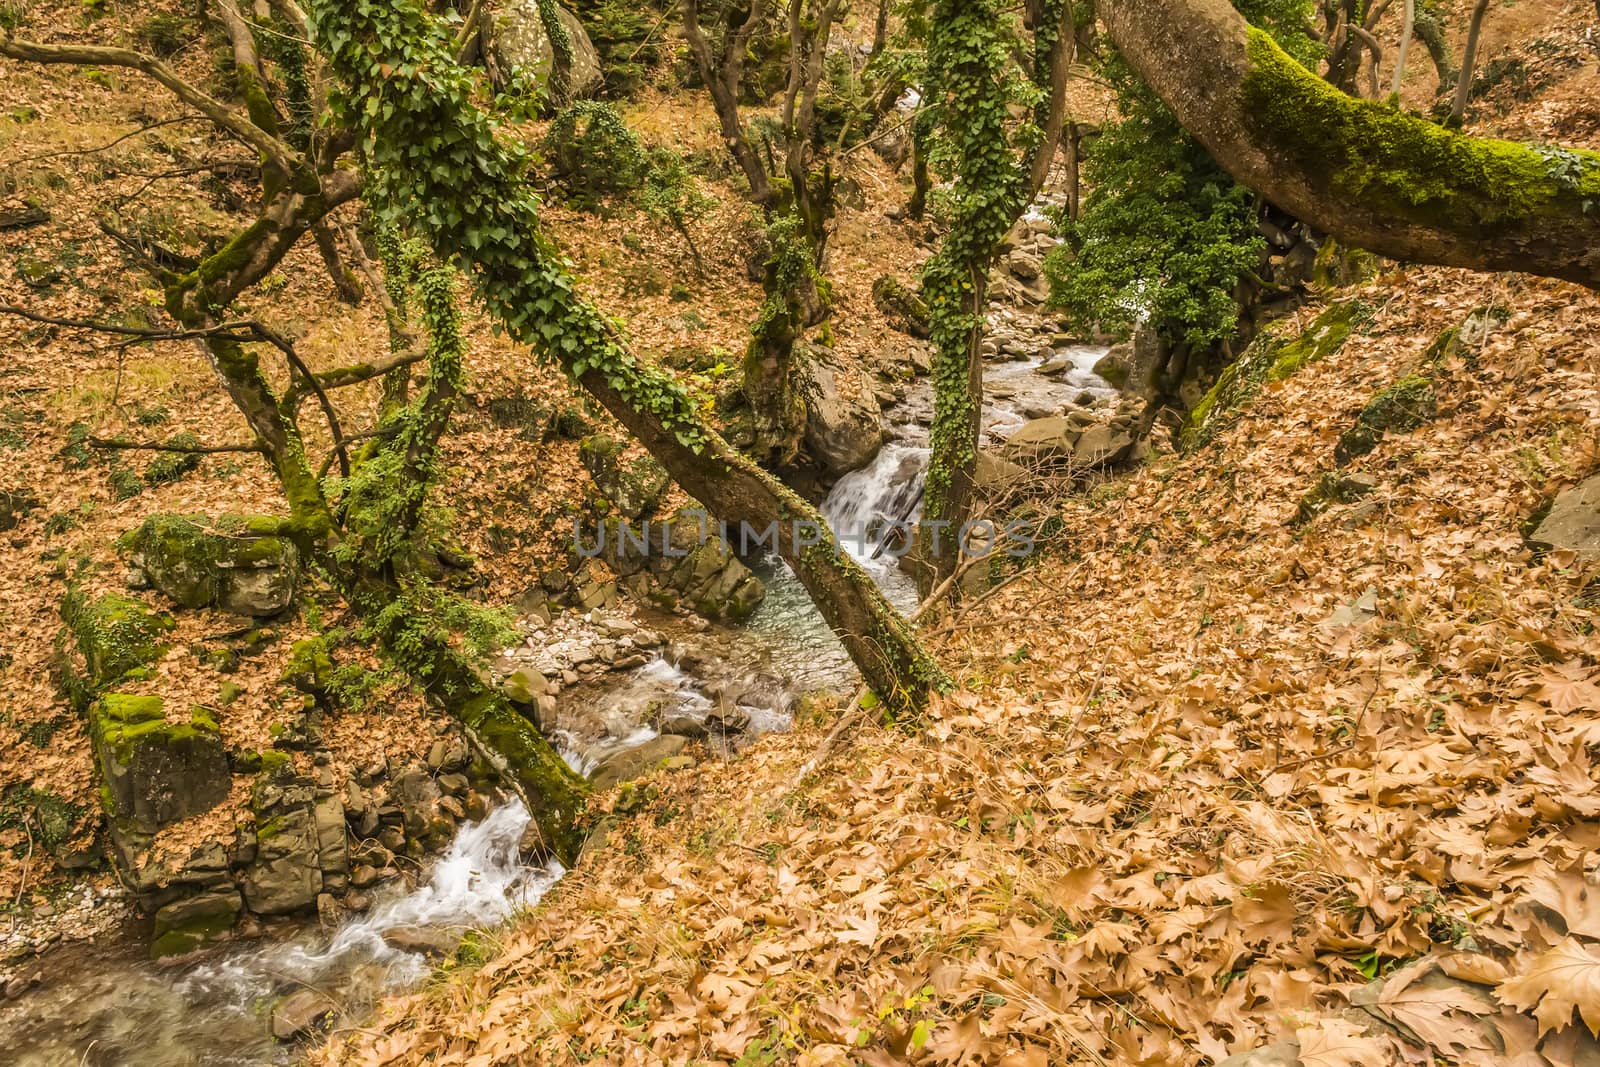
{"x":864,"y":507}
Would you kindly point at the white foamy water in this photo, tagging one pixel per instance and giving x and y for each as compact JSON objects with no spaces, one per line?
{"x":115,"y":1011}
{"x":479,"y":882}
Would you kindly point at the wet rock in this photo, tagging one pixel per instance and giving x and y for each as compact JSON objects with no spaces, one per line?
{"x":299,"y":1013}
{"x":452,"y":807}
{"x":455,"y":785}
{"x":1573,"y":521}
{"x":239,"y":564}
{"x":635,"y":762}
{"x":1114,"y":367}
{"x":364,"y":877}
{"x":1056,"y":366}
{"x":518,"y":42}
{"x":683,"y":726}
{"x":186,"y":925}
{"x":421,"y":939}
{"x":156,"y":772}
{"x":844,"y":430}
{"x":330,"y":912}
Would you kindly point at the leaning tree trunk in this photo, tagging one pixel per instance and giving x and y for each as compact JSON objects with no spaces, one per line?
{"x":435,"y":155}
{"x":1387,"y":182}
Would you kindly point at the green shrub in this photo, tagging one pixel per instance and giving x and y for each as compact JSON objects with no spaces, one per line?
{"x":594,"y":154}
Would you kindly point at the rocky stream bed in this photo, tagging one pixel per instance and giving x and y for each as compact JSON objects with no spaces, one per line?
{"x":623,"y":690}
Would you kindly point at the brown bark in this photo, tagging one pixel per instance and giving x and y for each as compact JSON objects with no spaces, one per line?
{"x":1354,"y":168}
{"x":1469,"y":60}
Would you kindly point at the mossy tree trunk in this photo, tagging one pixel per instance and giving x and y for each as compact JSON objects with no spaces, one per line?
{"x":365,"y":560}
{"x":1376,"y":179}
{"x":998,"y":173}
{"x":796,"y":200}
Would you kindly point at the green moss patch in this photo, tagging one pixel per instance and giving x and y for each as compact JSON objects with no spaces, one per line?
{"x":1273,"y":356}
{"x":116,"y":634}
{"x":1404,"y":166}
{"x":1403,"y":407}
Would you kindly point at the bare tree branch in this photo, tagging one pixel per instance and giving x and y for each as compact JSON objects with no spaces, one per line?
{"x":117,"y":443}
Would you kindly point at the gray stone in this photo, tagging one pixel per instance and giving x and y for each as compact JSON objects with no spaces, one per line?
{"x":191,"y":923}
{"x":843,"y":431}
{"x":518,"y":42}
{"x":1573,"y":521}
{"x":300,"y":1012}
{"x":634,"y":762}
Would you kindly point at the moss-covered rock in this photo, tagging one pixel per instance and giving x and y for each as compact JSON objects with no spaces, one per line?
{"x":1403,"y":407}
{"x":243,"y":565}
{"x":116,"y":634}
{"x":186,"y":925}
{"x":901,"y":306}
{"x":1333,"y":488}
{"x":310,"y":667}
{"x":1338,"y":266}
{"x":155,"y":772}
{"x":1275,"y":354}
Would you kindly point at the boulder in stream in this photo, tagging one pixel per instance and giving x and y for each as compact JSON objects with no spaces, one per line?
{"x":300,"y":1012}
{"x":189,"y":924}
{"x":638,"y":761}
{"x":844,"y":425}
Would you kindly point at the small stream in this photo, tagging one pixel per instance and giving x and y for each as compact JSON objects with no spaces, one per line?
{"x":106,"y":1006}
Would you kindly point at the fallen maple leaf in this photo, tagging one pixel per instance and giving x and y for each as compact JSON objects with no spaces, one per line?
{"x":1336,"y":1043}
{"x":1566,"y":977}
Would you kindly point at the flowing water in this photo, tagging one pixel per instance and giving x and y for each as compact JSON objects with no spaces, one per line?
{"x":118,"y":1011}
{"x":109,"y":1007}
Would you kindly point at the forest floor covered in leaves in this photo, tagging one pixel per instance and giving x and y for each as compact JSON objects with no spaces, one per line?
{"x":1209,"y":775}
{"x":1210,"y":772}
